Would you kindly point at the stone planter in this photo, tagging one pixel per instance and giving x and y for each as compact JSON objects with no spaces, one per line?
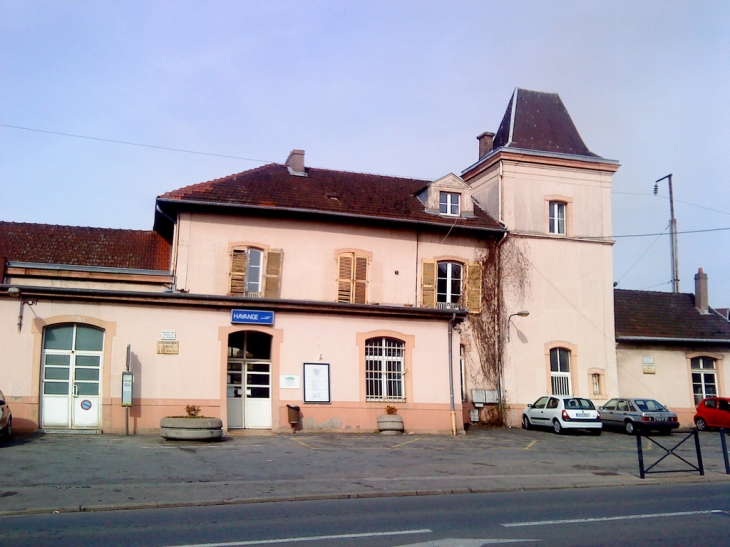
{"x":191,"y":429}
{"x":390,"y":424}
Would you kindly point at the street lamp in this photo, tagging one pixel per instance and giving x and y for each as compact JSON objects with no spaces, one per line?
{"x":15,"y":293}
{"x":521,"y":313}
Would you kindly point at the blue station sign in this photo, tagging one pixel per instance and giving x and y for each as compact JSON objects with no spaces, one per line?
{"x":252,"y":317}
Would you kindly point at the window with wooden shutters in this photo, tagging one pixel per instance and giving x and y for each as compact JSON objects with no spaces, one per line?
{"x":428,"y":284}
{"x":474,"y":287}
{"x":256,"y":273}
{"x":352,"y":278}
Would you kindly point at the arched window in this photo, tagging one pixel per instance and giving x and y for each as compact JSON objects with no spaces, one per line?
{"x":560,"y":371}
{"x":704,"y":378}
{"x":384,"y":369}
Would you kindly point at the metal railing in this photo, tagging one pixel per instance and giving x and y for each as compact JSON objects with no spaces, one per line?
{"x":643,"y":471}
{"x":724,"y":432}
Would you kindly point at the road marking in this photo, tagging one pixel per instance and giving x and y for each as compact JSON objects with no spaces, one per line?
{"x":405,"y":443}
{"x":305,"y":444}
{"x":309,"y":538}
{"x":609,"y":519}
{"x":461,"y":542}
{"x":530,"y":445}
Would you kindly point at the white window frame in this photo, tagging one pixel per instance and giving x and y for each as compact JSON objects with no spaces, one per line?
{"x":385,"y":369}
{"x":450,"y":204}
{"x":254,"y":272}
{"x":556,"y":213}
{"x":560,"y":381}
{"x":449,"y":298}
{"x":701,"y":373}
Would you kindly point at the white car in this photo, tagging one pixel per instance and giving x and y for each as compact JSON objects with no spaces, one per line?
{"x":562,"y":412}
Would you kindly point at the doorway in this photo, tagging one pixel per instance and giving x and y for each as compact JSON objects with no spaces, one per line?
{"x":248,"y":380}
{"x":71,"y":379}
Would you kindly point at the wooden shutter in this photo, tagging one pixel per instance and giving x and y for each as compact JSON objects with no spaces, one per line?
{"x":473,"y":301}
{"x":344,"y":277}
{"x":428,"y":284}
{"x":272,"y":287}
{"x":360,"y":279}
{"x":239,"y":262}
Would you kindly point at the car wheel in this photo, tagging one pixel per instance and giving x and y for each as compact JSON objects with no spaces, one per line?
{"x":596,"y":432}
{"x":8,"y":431}
{"x":701,"y":424}
{"x":557,"y":428}
{"x":629,"y":427}
{"x":525,"y":422}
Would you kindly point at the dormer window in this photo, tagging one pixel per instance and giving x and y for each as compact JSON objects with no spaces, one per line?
{"x":449,"y":203}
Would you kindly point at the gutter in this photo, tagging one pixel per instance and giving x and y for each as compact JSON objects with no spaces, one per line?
{"x":209,"y":301}
{"x":662,"y":339}
{"x":79,"y":268}
{"x":311,"y":212}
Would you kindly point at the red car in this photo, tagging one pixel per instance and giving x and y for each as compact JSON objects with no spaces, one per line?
{"x":713,"y":412}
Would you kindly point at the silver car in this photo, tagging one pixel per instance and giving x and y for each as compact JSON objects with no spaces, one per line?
{"x":6,"y":418}
{"x":561,"y":412}
{"x":638,"y":414}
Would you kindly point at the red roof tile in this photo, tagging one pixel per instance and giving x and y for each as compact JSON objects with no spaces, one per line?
{"x":74,"y":245}
{"x":665,"y":315}
{"x":324,"y":191}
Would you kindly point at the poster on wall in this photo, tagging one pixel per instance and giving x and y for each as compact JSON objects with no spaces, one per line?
{"x":316,"y":382}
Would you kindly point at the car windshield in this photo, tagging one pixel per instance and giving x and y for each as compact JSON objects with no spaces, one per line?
{"x":648,"y":405}
{"x":578,"y":402}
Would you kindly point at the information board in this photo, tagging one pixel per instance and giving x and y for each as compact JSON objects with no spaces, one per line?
{"x":316,"y":383}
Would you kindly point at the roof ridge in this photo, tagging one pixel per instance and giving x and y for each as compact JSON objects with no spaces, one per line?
{"x":75,"y":227}
{"x":201,"y":185}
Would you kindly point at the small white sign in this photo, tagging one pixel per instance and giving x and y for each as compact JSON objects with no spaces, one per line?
{"x":289,"y":381}
{"x":168,"y":335}
{"x":648,"y":360}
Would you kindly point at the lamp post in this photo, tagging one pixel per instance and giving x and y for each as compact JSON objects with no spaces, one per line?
{"x":673,"y":232}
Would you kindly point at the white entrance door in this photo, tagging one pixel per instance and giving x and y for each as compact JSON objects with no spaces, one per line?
{"x":249,"y":380}
{"x":71,"y":380}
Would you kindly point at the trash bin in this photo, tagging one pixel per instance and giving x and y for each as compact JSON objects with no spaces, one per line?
{"x":293,"y":414}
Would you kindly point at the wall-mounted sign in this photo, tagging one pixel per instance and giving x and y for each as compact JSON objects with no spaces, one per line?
{"x":127,"y":383}
{"x":168,"y":347}
{"x":168,"y":335}
{"x":316,"y":383}
{"x":252,"y":317}
{"x":649,"y":368}
{"x":648,"y":360}
{"x":289,"y":381}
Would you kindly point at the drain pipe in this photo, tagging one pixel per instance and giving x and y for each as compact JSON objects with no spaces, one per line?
{"x":451,"y":374}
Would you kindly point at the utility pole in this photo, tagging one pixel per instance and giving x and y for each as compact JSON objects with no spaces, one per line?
{"x":673,"y":232}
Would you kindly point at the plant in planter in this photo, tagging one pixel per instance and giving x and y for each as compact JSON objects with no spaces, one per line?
{"x":192,"y":427}
{"x":390,"y":423}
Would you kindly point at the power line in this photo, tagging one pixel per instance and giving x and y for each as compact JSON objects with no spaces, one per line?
{"x":661,"y":234}
{"x":128,"y":143}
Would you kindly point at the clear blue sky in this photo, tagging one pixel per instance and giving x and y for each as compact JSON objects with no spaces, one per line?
{"x":398,"y":88}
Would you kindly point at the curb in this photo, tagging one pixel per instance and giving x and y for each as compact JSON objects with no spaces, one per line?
{"x":352,"y":495}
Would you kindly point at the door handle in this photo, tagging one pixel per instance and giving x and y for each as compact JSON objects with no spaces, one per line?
{"x":76,"y":390}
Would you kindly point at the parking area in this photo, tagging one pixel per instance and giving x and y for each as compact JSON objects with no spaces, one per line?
{"x":115,"y":471}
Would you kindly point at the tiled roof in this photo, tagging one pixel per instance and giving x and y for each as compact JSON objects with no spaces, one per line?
{"x":539,"y":121}
{"x":648,"y":314}
{"x":74,"y":245}
{"x":324,"y":191}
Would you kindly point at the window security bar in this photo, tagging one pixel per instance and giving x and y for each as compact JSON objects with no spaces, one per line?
{"x":254,"y":294}
{"x":447,"y":305}
{"x":669,"y":452}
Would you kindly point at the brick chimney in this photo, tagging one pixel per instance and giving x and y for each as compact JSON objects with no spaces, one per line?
{"x":486,"y":143}
{"x":701,"y":294}
{"x":295,"y":163}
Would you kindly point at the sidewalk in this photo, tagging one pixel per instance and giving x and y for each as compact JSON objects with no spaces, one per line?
{"x":57,"y":472}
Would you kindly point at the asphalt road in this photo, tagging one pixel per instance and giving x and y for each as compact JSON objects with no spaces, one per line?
{"x":670,"y":516}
